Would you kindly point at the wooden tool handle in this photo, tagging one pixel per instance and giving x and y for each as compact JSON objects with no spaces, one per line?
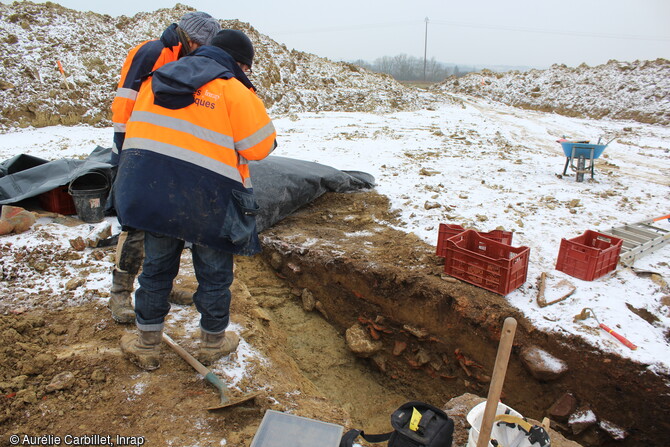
{"x":619,"y":337}
{"x":497,"y":380}
{"x":185,"y":355}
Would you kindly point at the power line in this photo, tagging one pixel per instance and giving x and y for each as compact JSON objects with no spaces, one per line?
{"x":425,"y":50}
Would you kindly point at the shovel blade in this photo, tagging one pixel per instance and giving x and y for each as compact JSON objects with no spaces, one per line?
{"x":234,"y":401}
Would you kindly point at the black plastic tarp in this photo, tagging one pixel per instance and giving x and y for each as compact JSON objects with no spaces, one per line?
{"x":25,"y":176}
{"x":281,"y":185}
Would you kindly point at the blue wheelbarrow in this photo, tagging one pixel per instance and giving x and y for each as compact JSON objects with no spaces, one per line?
{"x":581,"y":155}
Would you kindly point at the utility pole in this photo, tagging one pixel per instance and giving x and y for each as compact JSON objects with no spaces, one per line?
{"x":425,"y":51}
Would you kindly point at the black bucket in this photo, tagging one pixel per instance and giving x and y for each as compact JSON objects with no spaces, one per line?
{"x":89,"y":193}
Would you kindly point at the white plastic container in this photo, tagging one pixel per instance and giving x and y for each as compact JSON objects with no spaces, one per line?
{"x":279,"y":429}
{"x":475,"y":417}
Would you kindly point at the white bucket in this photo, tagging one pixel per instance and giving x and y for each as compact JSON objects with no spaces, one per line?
{"x":475,"y":417}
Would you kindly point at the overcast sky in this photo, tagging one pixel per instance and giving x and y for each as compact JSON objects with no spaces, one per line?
{"x":534,"y":33}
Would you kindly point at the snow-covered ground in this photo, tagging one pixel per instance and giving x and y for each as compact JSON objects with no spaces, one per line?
{"x":489,"y":166}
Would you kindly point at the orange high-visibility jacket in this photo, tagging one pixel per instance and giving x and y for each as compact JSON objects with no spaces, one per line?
{"x":140,"y":62}
{"x":183,"y":170}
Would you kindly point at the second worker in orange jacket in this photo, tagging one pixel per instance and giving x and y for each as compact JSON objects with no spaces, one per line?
{"x":183,"y":176}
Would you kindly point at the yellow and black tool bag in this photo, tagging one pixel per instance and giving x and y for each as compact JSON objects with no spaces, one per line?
{"x":415,"y":424}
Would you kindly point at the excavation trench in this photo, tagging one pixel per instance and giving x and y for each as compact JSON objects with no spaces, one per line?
{"x":335,"y":266}
{"x":438,"y":337}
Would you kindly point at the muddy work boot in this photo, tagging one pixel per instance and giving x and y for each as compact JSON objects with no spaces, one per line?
{"x":144,"y":349}
{"x":181,"y":296}
{"x":119,"y":297}
{"x":215,"y":346}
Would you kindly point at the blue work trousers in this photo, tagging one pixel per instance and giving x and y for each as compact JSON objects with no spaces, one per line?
{"x":213,"y":270}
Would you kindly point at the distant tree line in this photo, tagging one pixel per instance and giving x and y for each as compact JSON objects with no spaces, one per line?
{"x":410,"y":68}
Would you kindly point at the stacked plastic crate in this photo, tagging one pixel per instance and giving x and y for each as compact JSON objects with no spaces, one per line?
{"x":487,"y":260}
{"x":58,"y":200}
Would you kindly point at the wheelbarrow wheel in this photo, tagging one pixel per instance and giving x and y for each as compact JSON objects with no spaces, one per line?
{"x":581,"y":165}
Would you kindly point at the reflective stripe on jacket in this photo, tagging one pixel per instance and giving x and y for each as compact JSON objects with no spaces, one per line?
{"x":140,"y":62}
{"x":183,"y":170}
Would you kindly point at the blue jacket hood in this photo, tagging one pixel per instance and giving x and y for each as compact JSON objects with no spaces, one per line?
{"x":174,"y":84}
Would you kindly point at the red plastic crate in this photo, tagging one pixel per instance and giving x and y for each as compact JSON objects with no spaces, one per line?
{"x":58,"y":200}
{"x":448,"y":230}
{"x":589,"y":256}
{"x":486,"y":263}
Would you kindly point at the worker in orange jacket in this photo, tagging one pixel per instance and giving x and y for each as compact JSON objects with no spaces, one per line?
{"x":183,"y":177}
{"x":194,"y":30}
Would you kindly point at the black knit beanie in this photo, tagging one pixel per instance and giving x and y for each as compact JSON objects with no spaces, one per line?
{"x":235,"y":43}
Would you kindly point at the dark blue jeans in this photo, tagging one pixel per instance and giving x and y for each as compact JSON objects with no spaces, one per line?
{"x":213,"y":270}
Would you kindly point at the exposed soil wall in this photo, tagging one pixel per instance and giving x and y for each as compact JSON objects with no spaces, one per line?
{"x":335,"y":265}
{"x":439,"y":336}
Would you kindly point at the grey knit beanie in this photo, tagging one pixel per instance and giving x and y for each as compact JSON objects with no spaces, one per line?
{"x":199,"y":26}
